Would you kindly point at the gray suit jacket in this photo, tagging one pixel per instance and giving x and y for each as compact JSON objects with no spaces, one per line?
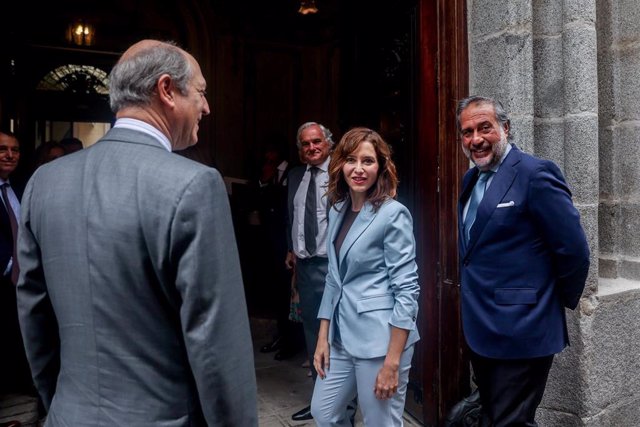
{"x":130,"y":296}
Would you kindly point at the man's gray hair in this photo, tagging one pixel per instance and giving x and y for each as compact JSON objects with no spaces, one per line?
{"x":326,"y":132}
{"x":501,"y":114}
{"x":132,"y":81}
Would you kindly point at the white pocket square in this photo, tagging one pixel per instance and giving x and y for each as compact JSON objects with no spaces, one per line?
{"x":506,"y":204}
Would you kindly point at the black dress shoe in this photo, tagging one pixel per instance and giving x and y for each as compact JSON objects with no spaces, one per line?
{"x":303,"y":414}
{"x":272,"y":346}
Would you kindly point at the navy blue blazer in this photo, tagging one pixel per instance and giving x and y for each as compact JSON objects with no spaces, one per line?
{"x":526,"y":260}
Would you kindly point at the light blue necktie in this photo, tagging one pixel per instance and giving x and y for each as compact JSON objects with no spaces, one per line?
{"x":474,"y":201}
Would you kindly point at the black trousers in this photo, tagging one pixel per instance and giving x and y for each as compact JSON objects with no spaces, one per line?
{"x":510,"y":389}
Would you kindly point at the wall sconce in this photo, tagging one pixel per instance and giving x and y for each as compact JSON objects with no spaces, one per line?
{"x":81,"y":33}
{"x":307,"y":7}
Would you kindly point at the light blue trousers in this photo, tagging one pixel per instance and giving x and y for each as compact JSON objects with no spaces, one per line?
{"x":349,"y":376}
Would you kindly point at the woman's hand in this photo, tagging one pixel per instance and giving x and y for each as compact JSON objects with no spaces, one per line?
{"x":386,"y":382}
{"x":321,"y":358}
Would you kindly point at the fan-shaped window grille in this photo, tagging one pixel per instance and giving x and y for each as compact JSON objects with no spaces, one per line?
{"x":77,"y":79}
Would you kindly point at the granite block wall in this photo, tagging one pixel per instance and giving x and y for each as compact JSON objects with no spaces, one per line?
{"x":569,"y":73}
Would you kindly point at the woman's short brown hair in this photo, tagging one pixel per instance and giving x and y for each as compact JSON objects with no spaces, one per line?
{"x":387,"y":183}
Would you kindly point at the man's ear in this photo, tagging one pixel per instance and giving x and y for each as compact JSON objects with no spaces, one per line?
{"x":507,"y":127}
{"x":166,"y":89}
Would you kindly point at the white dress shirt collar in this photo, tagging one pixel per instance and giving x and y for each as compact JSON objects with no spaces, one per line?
{"x":144,"y":127}
{"x":324,"y":166}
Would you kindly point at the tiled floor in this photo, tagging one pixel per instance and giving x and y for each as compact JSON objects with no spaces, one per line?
{"x":283,"y":389}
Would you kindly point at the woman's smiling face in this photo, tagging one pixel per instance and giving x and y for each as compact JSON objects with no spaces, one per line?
{"x":360,"y":170}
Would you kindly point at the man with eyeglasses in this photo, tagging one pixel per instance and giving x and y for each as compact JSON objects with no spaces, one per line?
{"x":130,"y":297}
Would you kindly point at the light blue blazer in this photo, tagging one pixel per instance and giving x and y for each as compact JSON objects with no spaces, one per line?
{"x":373,"y":282}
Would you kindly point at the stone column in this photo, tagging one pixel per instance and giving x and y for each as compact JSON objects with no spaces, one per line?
{"x":569,"y":72}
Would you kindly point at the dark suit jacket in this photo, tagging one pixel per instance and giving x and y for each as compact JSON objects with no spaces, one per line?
{"x":527,"y":259}
{"x":293,"y":182}
{"x":6,"y":237}
{"x":130,"y":297}
{"x":14,"y":369}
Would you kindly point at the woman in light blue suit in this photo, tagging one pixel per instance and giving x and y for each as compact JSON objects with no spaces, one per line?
{"x":370,"y":302}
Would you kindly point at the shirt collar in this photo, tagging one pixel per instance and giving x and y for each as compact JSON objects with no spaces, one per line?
{"x":324,"y":166}
{"x":283,"y":165}
{"x":145,"y":127}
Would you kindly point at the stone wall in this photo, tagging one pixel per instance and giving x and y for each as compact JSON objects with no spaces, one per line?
{"x":569,"y":73}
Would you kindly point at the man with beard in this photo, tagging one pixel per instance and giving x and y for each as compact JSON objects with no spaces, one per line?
{"x":523,"y":258}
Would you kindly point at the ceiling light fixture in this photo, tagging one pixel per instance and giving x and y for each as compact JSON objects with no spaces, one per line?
{"x":307,"y":7}
{"x":81,"y":33}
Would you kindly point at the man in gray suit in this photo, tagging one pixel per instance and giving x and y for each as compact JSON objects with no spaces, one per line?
{"x":130,"y":295}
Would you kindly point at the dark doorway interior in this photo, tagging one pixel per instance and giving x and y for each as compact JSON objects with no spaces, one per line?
{"x":397,"y":67}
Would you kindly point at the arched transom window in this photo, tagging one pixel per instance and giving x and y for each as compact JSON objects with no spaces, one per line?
{"x":77,"y":79}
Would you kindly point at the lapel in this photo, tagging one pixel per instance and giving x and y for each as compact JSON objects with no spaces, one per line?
{"x":295,"y":178}
{"x":334,"y":226}
{"x":500,"y":184}
{"x":5,"y":225}
{"x":4,"y":220}
{"x":361,"y":223}
{"x":468,"y":182}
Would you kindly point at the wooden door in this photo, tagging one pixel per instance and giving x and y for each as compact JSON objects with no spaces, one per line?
{"x":443,"y":81}
{"x":404,"y":74}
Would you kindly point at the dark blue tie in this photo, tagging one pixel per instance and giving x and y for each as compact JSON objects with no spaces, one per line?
{"x":474,"y":201}
{"x":311,"y":214}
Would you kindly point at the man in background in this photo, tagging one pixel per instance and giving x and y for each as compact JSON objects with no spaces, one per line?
{"x":15,"y":376}
{"x":524,"y":258}
{"x":307,"y":234}
{"x":135,"y":315}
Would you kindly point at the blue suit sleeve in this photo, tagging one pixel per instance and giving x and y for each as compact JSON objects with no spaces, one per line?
{"x":400,"y":254}
{"x":559,"y":222}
